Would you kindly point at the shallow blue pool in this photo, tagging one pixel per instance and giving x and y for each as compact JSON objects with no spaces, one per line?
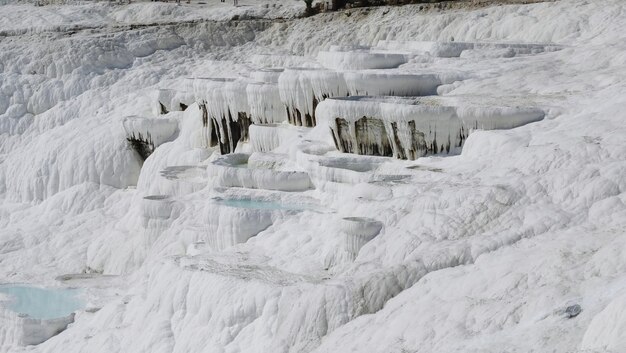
{"x":40,"y":303}
{"x":262,"y":205}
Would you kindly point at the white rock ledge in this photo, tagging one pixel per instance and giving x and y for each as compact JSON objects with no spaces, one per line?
{"x":146,"y":134}
{"x":159,"y":130}
{"x":267,"y":137}
{"x":25,"y":331}
{"x":360,"y":60}
{"x":265,"y":104}
{"x":225,"y":111}
{"x":233,"y":171}
{"x":455,"y":49}
{"x":157,"y":207}
{"x":409,"y":128}
{"x":267,"y":75}
{"x":358,"y":231}
{"x":392,"y":83}
{"x":235,"y":220}
{"x":301,"y":89}
{"x":338,"y":169}
{"x":169,"y":100}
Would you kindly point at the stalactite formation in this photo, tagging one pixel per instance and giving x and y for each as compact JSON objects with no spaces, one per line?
{"x":230,"y":132}
{"x":409,"y":128}
{"x":301,"y":90}
{"x":210,"y":129}
{"x":372,"y":138}
{"x":145,"y":134}
{"x":143,"y":145}
{"x":225,"y":111}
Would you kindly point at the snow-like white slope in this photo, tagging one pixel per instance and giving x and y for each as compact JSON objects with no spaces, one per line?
{"x":24,"y":18}
{"x":480,"y":251}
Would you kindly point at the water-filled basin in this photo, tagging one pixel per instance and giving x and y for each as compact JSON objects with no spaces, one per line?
{"x":40,"y":303}
{"x":259,"y":204}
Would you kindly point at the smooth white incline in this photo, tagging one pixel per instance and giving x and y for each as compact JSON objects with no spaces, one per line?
{"x":513,"y":243}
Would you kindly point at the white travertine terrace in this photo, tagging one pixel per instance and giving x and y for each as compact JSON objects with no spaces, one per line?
{"x":265,"y":104}
{"x":391,"y":83}
{"x":233,"y":170}
{"x":301,"y":89}
{"x":170,"y":100}
{"x":360,"y":60}
{"x":267,"y":137}
{"x":455,"y":49}
{"x":408,"y":128}
{"x":267,"y":75}
{"x":159,"y":130}
{"x":227,"y":115}
{"x":358,"y":231}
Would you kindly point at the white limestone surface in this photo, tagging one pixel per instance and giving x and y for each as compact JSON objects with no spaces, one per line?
{"x":233,"y":170}
{"x":301,"y":89}
{"x":391,"y":83}
{"x":158,"y":130}
{"x":413,"y":127}
{"x":360,"y":60}
{"x":265,"y":104}
{"x":267,"y":137}
{"x":481,"y":250}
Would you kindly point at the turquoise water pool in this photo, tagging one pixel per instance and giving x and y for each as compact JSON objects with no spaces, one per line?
{"x":262,"y":204}
{"x":40,"y":303}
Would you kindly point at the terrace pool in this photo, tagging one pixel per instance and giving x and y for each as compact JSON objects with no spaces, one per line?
{"x":262,"y":204}
{"x":40,"y":303}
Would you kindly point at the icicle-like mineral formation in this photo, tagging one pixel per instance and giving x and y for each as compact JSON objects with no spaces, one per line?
{"x":409,"y":128}
{"x":169,"y":100}
{"x":267,"y":75}
{"x":267,"y":137}
{"x":225,"y":111}
{"x":204,"y":88}
{"x":265,"y":104}
{"x":301,"y":89}
{"x":146,"y":134}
